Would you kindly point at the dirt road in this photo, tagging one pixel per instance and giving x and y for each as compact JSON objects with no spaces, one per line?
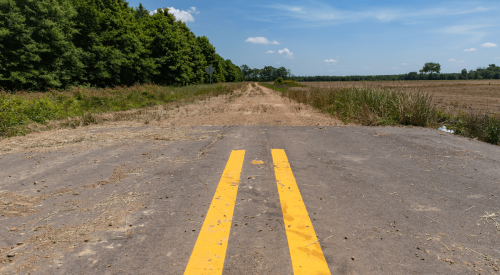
{"x":247,"y":184}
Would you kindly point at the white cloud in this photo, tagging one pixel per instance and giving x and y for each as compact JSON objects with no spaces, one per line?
{"x":270,"y":52}
{"x":451,"y":60}
{"x":470,"y":50}
{"x":497,"y":57}
{"x":184,"y":16}
{"x":404,"y":64}
{"x":394,"y":68}
{"x":489,"y":45}
{"x":261,"y":40}
{"x":330,"y":61}
{"x":286,"y":52}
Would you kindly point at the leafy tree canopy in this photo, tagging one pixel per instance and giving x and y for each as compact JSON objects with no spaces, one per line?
{"x":52,"y":44}
{"x":431,"y":67}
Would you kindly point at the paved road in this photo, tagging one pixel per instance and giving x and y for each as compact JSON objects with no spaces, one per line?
{"x":377,"y":201}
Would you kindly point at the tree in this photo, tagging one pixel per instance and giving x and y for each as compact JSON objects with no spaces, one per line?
{"x":140,"y":12}
{"x":431,"y":67}
{"x":245,"y":70}
{"x":113,"y":43}
{"x":174,"y":49}
{"x":412,"y":76}
{"x":464,"y":73}
{"x":267,"y":73}
{"x":36,"y":45}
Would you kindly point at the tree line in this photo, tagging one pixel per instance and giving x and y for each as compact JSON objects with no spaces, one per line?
{"x":269,"y":73}
{"x":430,"y":72}
{"x":53,"y":44}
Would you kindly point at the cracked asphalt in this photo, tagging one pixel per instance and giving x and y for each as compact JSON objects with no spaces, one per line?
{"x":382,"y":200}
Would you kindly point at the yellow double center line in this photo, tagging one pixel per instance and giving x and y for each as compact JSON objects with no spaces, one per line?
{"x":305,"y":250}
{"x":210,"y":248}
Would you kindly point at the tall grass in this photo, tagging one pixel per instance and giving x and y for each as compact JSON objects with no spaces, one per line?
{"x":19,"y":110}
{"x":476,"y":124}
{"x":394,"y":106}
{"x":370,"y":106}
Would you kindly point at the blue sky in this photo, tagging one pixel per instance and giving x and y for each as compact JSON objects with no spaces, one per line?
{"x":346,"y":37}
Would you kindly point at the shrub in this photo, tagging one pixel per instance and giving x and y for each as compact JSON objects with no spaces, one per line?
{"x":278,"y":81}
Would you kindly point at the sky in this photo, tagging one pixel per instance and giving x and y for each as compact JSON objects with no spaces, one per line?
{"x":345,"y":37}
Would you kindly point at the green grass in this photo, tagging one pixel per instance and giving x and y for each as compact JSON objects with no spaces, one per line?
{"x":399,"y":106}
{"x":19,"y":111}
{"x":474,"y":124}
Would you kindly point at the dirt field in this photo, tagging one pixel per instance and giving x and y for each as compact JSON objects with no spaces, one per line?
{"x":453,"y":95}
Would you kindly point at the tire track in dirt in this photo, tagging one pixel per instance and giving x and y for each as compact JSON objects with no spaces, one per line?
{"x":255,"y":105}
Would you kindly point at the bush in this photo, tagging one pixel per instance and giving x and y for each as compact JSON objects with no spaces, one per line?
{"x":278,"y":81}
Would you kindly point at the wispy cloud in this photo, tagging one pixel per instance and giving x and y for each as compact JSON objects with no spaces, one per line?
{"x":331,"y":61}
{"x":270,"y":52}
{"x":404,"y":64}
{"x":470,"y":50}
{"x":327,"y":13}
{"x":261,"y":40}
{"x":475,"y":31}
{"x":286,"y":52}
{"x":193,"y":10}
{"x":489,"y":45}
{"x":497,"y":57}
{"x":451,"y":60}
{"x":394,"y":68}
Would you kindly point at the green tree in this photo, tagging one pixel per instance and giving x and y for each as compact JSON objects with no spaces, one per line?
{"x":141,"y":12}
{"x":431,"y":67}
{"x":36,"y":49}
{"x":267,"y":73}
{"x":113,"y":43}
{"x":464,"y":73}
{"x":245,"y":70}
{"x":174,"y":49}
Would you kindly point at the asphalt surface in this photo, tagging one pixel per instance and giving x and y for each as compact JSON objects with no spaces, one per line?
{"x":381,"y":201}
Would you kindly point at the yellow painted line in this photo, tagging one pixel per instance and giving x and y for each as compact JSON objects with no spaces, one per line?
{"x":305,"y":249}
{"x":210,"y":249}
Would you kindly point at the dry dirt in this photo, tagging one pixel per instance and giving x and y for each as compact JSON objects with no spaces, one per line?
{"x":452,"y":95}
{"x":255,"y":105}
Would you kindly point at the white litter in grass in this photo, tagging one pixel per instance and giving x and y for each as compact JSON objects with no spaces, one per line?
{"x":445,"y":130}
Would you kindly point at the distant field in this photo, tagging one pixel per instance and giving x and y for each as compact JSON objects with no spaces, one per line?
{"x":453,"y":95}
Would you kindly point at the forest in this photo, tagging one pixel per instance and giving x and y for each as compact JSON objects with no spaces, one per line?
{"x":56,"y":44}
